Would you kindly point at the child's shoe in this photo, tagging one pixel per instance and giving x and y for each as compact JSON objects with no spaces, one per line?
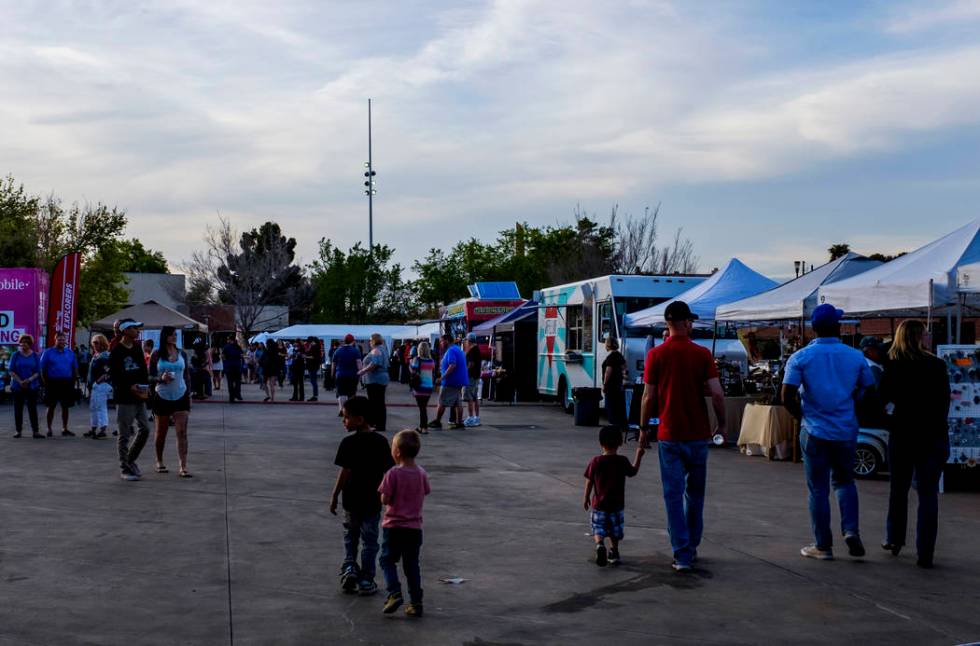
{"x":614,"y":556}
{"x":392,"y":603}
{"x":414,"y":610}
{"x":600,"y":555}
{"x":367,"y":588}
{"x":348,"y":580}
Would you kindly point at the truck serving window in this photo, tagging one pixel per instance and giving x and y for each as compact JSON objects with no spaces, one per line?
{"x":578,"y":322}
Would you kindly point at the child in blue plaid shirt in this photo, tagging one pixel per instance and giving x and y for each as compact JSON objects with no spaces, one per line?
{"x":605,"y":493}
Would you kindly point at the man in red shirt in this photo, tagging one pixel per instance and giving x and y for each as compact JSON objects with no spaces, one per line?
{"x":678,"y":373}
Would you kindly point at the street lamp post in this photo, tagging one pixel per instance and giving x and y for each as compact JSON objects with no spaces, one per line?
{"x":369,"y":189}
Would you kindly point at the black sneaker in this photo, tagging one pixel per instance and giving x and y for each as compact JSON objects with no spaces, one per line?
{"x":600,"y":555}
{"x":348,"y":581}
{"x":67,"y":433}
{"x":435,"y":424}
{"x":313,"y":399}
{"x":392,"y":603}
{"x":854,"y":545}
{"x":457,"y":426}
{"x":614,"y":556}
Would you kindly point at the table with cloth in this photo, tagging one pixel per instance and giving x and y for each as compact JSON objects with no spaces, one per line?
{"x":734,"y":407}
{"x":769,"y":431}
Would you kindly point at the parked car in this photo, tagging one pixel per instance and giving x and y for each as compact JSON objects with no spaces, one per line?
{"x":871,"y":456}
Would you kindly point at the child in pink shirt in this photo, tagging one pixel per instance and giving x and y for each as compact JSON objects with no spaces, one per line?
{"x":403,"y":491}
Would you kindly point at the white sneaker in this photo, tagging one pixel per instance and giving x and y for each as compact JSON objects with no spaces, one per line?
{"x":470,"y":422}
{"x":476,"y":421}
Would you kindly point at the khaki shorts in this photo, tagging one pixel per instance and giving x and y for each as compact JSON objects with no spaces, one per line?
{"x":449,"y":396}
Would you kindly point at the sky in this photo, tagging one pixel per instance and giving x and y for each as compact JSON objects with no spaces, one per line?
{"x":765,"y":130}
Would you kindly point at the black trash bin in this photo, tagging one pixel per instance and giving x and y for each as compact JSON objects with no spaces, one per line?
{"x":586,"y":405}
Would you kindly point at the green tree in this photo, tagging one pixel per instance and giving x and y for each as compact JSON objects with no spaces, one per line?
{"x":838,"y":250}
{"x":142,"y":260}
{"x":18,"y":246}
{"x":358,"y":286}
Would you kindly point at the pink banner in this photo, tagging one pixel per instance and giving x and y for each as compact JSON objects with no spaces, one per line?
{"x":63,"y":308}
{"x":23,"y":304}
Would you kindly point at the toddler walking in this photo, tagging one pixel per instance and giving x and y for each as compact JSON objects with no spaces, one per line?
{"x":403,"y":491}
{"x":605,"y":493}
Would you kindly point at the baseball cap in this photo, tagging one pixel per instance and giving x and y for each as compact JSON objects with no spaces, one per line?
{"x":125,"y":324}
{"x":826,"y":314}
{"x":679,"y":311}
{"x":349,"y":338}
{"x":870,"y":342}
{"x":471,"y":337}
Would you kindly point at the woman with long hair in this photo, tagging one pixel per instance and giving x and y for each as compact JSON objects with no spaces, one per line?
{"x":270,"y":369}
{"x":170,"y":375}
{"x":25,"y":376}
{"x":217,"y":366}
{"x":375,"y":374}
{"x":421,"y":381}
{"x":99,"y":388}
{"x":915,"y":393}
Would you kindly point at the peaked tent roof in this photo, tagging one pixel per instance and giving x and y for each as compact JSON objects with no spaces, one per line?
{"x":152,"y":315}
{"x":734,"y":282}
{"x":798,"y":297}
{"x":527,"y":309}
{"x":903,"y":284}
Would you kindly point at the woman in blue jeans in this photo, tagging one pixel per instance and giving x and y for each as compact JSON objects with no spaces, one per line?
{"x":915,"y":391}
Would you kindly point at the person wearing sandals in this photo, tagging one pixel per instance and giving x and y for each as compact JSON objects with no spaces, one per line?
{"x":25,"y":375}
{"x":421,"y":380}
{"x":99,"y":388}
{"x":170,"y":376}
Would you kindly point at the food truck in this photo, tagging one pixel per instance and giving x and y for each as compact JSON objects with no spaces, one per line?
{"x":574,"y":321}
{"x":23,"y":305}
{"x":487,"y":301}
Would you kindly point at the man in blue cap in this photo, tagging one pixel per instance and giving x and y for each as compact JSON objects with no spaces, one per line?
{"x":823,"y":383}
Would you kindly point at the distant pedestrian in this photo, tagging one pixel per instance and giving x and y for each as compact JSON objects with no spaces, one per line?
{"x":605,"y":493}
{"x":422,"y":383}
{"x":314,"y":358}
{"x":271,"y":366}
{"x":345,"y":367}
{"x":130,"y":389}
{"x":403,"y":493}
{"x":84,"y":357}
{"x":59,"y":370}
{"x":363,"y":457}
{"x":217,"y":367}
{"x":474,"y":370}
{"x":916,"y":392}
{"x":233,"y":363}
{"x":297,"y":371}
{"x":452,"y":380}
{"x":99,"y":388}
{"x":147,"y":350}
{"x":170,"y":376}
{"x":677,"y":374}
{"x":833,"y":378}
{"x":376,"y":379}
{"x":613,"y":380}
{"x":25,"y":382}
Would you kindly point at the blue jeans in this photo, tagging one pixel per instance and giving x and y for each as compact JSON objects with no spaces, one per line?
{"x":830,"y":463}
{"x":313,"y":375}
{"x":405,"y":544}
{"x":684,"y":472}
{"x":924,"y":461}
{"x":363,"y":530}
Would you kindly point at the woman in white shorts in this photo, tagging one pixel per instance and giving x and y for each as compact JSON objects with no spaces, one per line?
{"x":99,"y":387}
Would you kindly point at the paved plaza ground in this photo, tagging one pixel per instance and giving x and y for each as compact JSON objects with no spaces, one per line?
{"x":248,"y":553}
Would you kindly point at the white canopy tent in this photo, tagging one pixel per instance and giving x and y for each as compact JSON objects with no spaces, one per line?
{"x":922,"y":281}
{"x":797,"y":298}
{"x":733,"y":282}
{"x":330,"y":331}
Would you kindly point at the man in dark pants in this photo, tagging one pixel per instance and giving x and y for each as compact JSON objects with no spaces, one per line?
{"x":231,"y":357}
{"x":834,"y":378}
{"x":130,"y":389}
{"x":314,"y":357}
{"x":59,"y":373}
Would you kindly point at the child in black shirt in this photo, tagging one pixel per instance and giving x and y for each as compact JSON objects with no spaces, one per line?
{"x":363,"y":457}
{"x":605,"y":492}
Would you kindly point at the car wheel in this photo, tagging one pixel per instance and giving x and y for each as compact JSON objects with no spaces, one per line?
{"x":867,"y":461}
{"x":563,"y":399}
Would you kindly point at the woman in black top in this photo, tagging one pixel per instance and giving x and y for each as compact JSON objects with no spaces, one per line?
{"x":613,"y":374}
{"x":915,"y":392}
{"x":271,"y":365}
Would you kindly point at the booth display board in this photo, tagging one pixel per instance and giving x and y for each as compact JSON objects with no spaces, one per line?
{"x":963,"y":363}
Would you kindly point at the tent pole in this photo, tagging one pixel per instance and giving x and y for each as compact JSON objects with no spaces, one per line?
{"x":959,"y":316}
{"x":929,"y":311}
{"x":949,"y":327}
{"x":714,"y":340}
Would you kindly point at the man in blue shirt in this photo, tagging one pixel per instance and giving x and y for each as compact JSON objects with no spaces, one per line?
{"x":453,"y":380}
{"x":59,"y":370}
{"x":822,"y":385}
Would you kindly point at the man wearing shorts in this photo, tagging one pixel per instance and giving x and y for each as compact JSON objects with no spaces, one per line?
{"x":453,"y":380}
{"x":474,"y":365}
{"x":59,"y":372}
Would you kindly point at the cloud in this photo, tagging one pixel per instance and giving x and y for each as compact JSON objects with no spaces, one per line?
{"x":936,"y":14}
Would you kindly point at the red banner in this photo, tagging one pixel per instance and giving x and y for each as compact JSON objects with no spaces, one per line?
{"x":63,"y":304}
